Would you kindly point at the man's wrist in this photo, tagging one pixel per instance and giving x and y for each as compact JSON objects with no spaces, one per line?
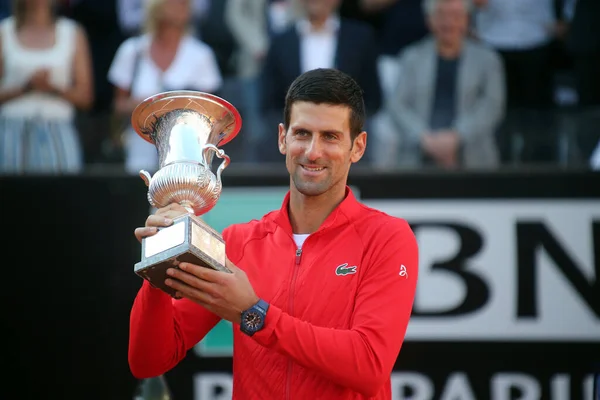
{"x":253,"y":319}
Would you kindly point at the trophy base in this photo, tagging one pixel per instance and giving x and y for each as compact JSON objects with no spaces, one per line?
{"x":188,"y":239}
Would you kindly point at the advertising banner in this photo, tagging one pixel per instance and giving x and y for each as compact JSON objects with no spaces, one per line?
{"x":507,"y":303}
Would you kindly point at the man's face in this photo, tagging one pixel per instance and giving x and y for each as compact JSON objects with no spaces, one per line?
{"x":317,"y":147}
{"x":320,"y":8}
{"x":449,"y":21}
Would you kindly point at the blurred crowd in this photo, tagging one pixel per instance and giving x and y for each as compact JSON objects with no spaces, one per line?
{"x":447,"y":83}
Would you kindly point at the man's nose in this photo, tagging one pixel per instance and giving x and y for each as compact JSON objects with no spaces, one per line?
{"x":314,"y":150}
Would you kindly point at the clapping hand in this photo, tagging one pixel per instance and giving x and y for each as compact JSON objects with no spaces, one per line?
{"x":40,"y":81}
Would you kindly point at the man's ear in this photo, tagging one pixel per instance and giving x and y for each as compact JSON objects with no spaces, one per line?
{"x":281,"y":139}
{"x":359,"y":147}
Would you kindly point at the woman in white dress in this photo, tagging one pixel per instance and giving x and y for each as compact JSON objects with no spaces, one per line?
{"x":167,"y":56}
{"x":45,"y":76}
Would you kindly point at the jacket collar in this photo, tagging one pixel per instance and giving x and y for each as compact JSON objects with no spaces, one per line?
{"x":342,"y":214}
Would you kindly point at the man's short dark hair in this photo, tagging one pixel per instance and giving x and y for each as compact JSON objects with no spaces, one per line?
{"x":328,"y":86}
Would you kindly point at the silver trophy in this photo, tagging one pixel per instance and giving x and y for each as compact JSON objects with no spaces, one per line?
{"x":187,"y":128}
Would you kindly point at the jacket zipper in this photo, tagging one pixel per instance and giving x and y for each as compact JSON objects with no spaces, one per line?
{"x":291,"y":311}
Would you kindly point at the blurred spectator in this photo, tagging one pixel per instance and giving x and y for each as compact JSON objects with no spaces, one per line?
{"x":450,"y":95}
{"x":214,"y":31}
{"x":130,"y":14}
{"x":319,"y":39}
{"x":46,"y":74}
{"x":401,"y":23}
{"x":248,"y":23}
{"x":523,"y":31}
{"x":252,"y":22}
{"x":100,"y":22}
{"x":283,"y":13}
{"x":166,"y":57}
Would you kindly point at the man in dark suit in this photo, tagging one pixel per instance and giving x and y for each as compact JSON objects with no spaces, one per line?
{"x":318,"y":39}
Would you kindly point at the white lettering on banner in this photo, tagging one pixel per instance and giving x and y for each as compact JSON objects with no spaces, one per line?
{"x":502,"y":387}
{"x":504,"y":269}
{"x":458,"y":387}
{"x":213,"y":386}
{"x":559,"y":386}
{"x":504,"y":384}
{"x":417,"y":386}
{"x":420,"y":386}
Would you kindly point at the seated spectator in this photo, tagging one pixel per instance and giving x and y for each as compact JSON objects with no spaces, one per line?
{"x":166,"y":57}
{"x":523,"y":33}
{"x":450,"y":95}
{"x":46,"y":75}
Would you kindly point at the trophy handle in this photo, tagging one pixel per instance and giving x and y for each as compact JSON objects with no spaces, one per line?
{"x":221,"y":154}
{"x":145,"y":175}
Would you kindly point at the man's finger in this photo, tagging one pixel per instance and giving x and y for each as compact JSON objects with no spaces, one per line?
{"x":172,"y":209}
{"x":141,"y":233}
{"x":231,"y":266}
{"x":158,"y":221}
{"x":203,"y":273}
{"x":189,"y":292}
{"x":175,"y":206}
{"x":171,"y":214}
{"x":191,"y":279}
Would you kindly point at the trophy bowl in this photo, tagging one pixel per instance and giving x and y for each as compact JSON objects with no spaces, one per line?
{"x":187,"y":128}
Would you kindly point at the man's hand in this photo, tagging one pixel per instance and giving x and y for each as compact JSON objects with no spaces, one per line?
{"x":225,"y":294}
{"x":443,"y":147}
{"x":162,"y":218}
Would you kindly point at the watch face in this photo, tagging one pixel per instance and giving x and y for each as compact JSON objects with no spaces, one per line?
{"x":252,"y":320}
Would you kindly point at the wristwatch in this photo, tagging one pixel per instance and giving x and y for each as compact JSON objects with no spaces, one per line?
{"x":253,"y":319}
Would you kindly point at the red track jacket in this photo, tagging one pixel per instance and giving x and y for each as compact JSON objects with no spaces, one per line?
{"x":339,"y":308}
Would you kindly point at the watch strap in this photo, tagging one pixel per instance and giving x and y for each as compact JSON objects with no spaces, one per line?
{"x":262,"y":306}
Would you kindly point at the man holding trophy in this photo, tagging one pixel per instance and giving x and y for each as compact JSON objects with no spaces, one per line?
{"x":319,"y":292}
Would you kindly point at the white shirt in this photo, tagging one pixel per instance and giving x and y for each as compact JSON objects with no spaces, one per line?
{"x":318,"y":48}
{"x":299,"y":238}
{"x":194,"y":67}
{"x":515,"y":24}
{"x":20,"y":63}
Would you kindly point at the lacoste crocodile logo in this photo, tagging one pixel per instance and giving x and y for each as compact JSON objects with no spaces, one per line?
{"x":344,"y":269}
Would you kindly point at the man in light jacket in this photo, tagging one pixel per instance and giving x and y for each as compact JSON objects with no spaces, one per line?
{"x":450,"y":95}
